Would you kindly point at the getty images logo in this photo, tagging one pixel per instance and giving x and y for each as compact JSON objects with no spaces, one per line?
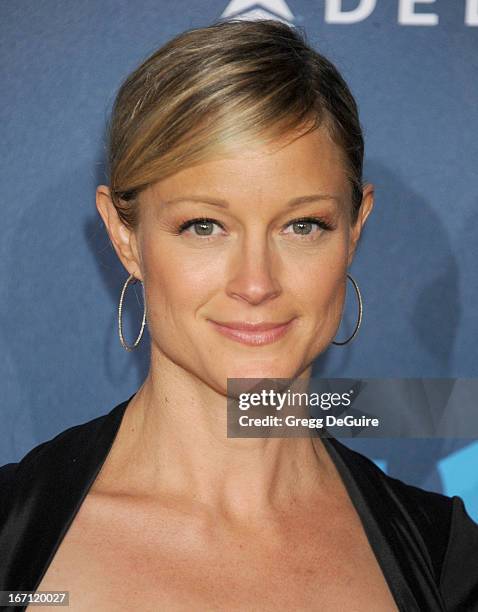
{"x":407,"y":14}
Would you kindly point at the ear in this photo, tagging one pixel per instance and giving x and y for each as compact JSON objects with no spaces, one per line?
{"x":365,"y":209}
{"x":122,"y":238}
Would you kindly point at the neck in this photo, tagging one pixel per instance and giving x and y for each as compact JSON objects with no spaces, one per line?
{"x":173,"y":444}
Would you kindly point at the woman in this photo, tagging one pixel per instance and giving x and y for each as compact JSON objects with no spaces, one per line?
{"x":235,"y":181}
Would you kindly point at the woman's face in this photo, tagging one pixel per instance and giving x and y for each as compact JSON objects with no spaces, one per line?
{"x":253,"y":260}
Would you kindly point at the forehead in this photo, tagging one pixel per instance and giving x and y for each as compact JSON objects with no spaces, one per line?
{"x":290,"y":166}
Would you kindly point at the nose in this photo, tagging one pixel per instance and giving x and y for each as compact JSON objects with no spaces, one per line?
{"x":253,"y":271}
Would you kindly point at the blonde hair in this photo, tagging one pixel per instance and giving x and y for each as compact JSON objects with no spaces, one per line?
{"x":230,"y":81}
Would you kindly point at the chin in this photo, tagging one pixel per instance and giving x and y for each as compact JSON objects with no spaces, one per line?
{"x":262,"y":370}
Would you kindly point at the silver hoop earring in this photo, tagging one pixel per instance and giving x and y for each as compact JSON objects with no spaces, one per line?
{"x":359,"y":320}
{"x":126,"y":346}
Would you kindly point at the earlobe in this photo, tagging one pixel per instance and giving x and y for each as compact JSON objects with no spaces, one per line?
{"x":352,"y":248}
{"x":119,"y":234}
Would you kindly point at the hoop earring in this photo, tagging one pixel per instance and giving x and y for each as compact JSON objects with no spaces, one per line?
{"x":126,"y":346}
{"x":359,"y":320}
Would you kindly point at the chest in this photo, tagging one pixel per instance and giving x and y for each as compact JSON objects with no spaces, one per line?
{"x":121,"y":560}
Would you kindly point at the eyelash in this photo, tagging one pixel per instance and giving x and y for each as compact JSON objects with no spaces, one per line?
{"x":325,"y":225}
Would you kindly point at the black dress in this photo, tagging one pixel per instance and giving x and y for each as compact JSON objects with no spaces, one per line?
{"x":425,"y":543}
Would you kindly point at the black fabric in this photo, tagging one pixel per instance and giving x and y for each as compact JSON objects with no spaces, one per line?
{"x":425,"y":542}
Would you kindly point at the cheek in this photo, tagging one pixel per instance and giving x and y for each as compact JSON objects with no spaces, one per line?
{"x":318,"y":280}
{"x":182,"y":279}
{"x":179,"y":278}
{"x":320,"y":298}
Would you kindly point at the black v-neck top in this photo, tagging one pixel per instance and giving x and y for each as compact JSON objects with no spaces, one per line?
{"x":425,"y":543}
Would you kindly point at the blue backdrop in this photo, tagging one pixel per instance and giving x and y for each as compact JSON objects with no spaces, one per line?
{"x":413,"y":67}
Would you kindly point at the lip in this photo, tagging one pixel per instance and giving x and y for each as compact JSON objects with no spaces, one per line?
{"x":255,"y":334}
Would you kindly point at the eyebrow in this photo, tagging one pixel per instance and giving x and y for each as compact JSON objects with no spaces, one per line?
{"x":313,"y":197}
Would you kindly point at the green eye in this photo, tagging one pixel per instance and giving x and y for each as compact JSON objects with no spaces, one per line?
{"x":203,"y":225}
{"x":203,"y":228}
{"x":304,"y":225}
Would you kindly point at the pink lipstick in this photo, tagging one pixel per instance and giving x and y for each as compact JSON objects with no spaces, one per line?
{"x":256,"y":334}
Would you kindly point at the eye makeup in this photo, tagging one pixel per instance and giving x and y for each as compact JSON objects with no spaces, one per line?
{"x":321,"y":222}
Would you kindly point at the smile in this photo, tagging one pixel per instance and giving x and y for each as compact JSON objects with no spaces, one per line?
{"x":253,"y":334}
